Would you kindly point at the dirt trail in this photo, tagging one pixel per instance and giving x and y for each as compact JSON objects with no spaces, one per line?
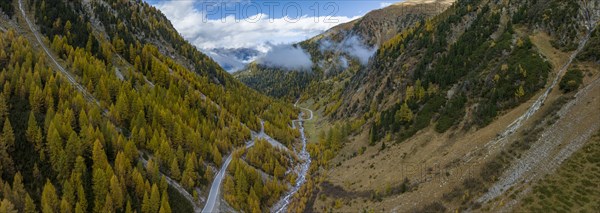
{"x":544,"y":156}
{"x":579,"y":120}
{"x":501,"y":140}
{"x":62,"y":70}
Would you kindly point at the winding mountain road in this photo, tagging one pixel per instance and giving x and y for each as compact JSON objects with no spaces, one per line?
{"x":213,"y":202}
{"x":300,"y":118}
{"x":269,"y":139}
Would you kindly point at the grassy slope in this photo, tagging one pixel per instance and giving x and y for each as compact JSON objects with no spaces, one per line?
{"x":574,"y":187}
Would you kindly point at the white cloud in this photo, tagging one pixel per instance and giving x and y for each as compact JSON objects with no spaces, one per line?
{"x":287,"y":57}
{"x":252,"y":32}
{"x":351,"y":45}
{"x":343,"y":62}
{"x":231,"y":64}
{"x":384,"y":4}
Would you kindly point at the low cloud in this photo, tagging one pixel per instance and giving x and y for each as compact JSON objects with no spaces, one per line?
{"x":343,"y":62}
{"x":352,"y":46}
{"x":227,"y":62}
{"x":234,"y":60}
{"x":287,"y":57}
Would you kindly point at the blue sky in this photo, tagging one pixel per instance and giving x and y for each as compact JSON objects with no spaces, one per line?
{"x":277,"y":9}
{"x":258,"y":24}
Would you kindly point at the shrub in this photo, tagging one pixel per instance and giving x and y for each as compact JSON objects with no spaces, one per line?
{"x":453,"y":112}
{"x":433,"y":207}
{"x":571,"y":81}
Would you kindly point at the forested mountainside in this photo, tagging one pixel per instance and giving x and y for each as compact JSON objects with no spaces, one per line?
{"x":449,"y":105}
{"x":140,"y":45}
{"x":337,"y":53}
{"x":106,"y":108}
{"x":465,"y":66}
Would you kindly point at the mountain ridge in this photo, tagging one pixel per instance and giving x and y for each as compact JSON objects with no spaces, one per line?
{"x":362,"y":34}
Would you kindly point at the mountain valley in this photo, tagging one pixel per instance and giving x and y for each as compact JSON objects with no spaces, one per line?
{"x":418,"y":106}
